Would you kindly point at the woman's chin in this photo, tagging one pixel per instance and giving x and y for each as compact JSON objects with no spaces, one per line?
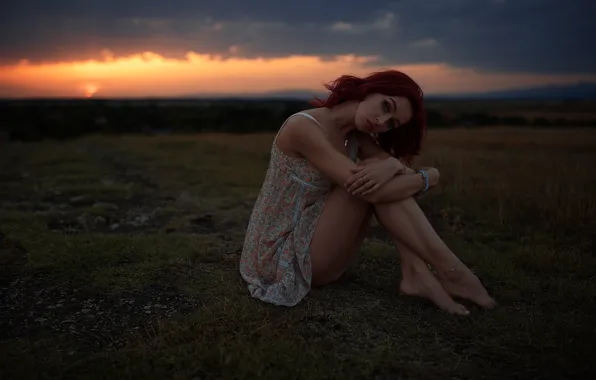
{"x":363,"y":129}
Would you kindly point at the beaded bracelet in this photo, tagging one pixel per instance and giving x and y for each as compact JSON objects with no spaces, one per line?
{"x":425,"y":178}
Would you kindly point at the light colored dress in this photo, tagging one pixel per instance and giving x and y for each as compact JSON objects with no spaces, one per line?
{"x":275,"y":259}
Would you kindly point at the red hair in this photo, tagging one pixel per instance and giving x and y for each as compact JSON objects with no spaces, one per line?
{"x":404,"y":142}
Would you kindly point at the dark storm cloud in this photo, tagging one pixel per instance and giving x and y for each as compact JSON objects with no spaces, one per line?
{"x":501,"y":35}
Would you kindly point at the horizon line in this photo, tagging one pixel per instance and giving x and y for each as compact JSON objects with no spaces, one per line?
{"x":305,"y":94}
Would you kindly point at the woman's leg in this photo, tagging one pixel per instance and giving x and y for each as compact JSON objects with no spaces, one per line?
{"x":408,"y":225}
{"x":339,"y":233}
{"x":417,"y":280}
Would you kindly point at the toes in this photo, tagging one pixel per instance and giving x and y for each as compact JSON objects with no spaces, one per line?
{"x":461,"y":310}
{"x":491,"y":303}
{"x":456,"y":309}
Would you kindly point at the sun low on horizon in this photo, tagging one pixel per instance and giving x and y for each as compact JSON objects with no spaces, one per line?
{"x":90,"y":90}
{"x":150,"y":74}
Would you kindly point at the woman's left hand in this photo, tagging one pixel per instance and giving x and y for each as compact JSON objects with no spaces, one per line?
{"x":370,"y":177}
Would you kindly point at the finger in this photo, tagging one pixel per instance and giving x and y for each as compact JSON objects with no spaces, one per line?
{"x":364,"y":186}
{"x":372,"y":189}
{"x":352,"y":187}
{"x":357,"y":173}
{"x":357,"y":183}
{"x":357,"y":169}
{"x":352,"y":181}
{"x":355,"y":186}
{"x":353,"y":178}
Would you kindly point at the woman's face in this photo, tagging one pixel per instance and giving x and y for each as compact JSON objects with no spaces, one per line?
{"x":379,"y":113}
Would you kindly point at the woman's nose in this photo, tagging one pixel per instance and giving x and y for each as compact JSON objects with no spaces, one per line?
{"x":383,"y":119}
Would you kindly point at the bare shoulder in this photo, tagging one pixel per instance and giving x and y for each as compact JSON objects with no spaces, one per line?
{"x":297,"y":133}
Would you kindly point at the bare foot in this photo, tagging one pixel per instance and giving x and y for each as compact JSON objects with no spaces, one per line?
{"x":427,"y":286}
{"x":462,"y":283}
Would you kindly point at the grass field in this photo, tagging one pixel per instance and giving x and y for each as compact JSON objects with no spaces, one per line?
{"x":118,"y":259}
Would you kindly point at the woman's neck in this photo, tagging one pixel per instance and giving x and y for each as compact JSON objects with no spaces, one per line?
{"x":342,"y":117}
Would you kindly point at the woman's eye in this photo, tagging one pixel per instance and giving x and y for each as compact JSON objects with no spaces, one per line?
{"x":386,"y":106}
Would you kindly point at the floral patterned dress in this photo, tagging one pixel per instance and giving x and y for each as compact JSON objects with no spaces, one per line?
{"x":275,"y":259}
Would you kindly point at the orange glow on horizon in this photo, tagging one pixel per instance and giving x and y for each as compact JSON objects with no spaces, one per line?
{"x":150,"y":74}
{"x":90,"y":90}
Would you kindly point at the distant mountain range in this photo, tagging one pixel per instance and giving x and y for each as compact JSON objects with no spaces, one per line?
{"x":567,"y":91}
{"x":285,"y":94}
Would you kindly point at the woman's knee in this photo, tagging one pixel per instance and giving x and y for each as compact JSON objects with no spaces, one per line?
{"x":394,"y":204}
{"x":349,"y":199}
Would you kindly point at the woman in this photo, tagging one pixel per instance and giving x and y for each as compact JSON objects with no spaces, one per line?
{"x":331,"y":168}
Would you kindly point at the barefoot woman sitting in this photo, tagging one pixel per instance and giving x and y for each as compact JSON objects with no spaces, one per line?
{"x":331,"y":168}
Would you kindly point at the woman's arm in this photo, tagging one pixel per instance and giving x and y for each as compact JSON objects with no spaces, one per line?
{"x":399,"y":188}
{"x":308,"y":140}
{"x":370,"y":152}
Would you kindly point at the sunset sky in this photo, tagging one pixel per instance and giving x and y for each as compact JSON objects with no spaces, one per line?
{"x":126,"y":48}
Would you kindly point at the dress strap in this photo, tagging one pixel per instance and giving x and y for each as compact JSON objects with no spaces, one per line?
{"x":310,"y":117}
{"x":297,"y":113}
{"x":351,"y":142}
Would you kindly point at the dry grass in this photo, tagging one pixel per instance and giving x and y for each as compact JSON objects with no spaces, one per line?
{"x":119,"y":259}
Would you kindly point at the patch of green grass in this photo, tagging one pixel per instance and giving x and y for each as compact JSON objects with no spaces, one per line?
{"x":142,"y":218}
